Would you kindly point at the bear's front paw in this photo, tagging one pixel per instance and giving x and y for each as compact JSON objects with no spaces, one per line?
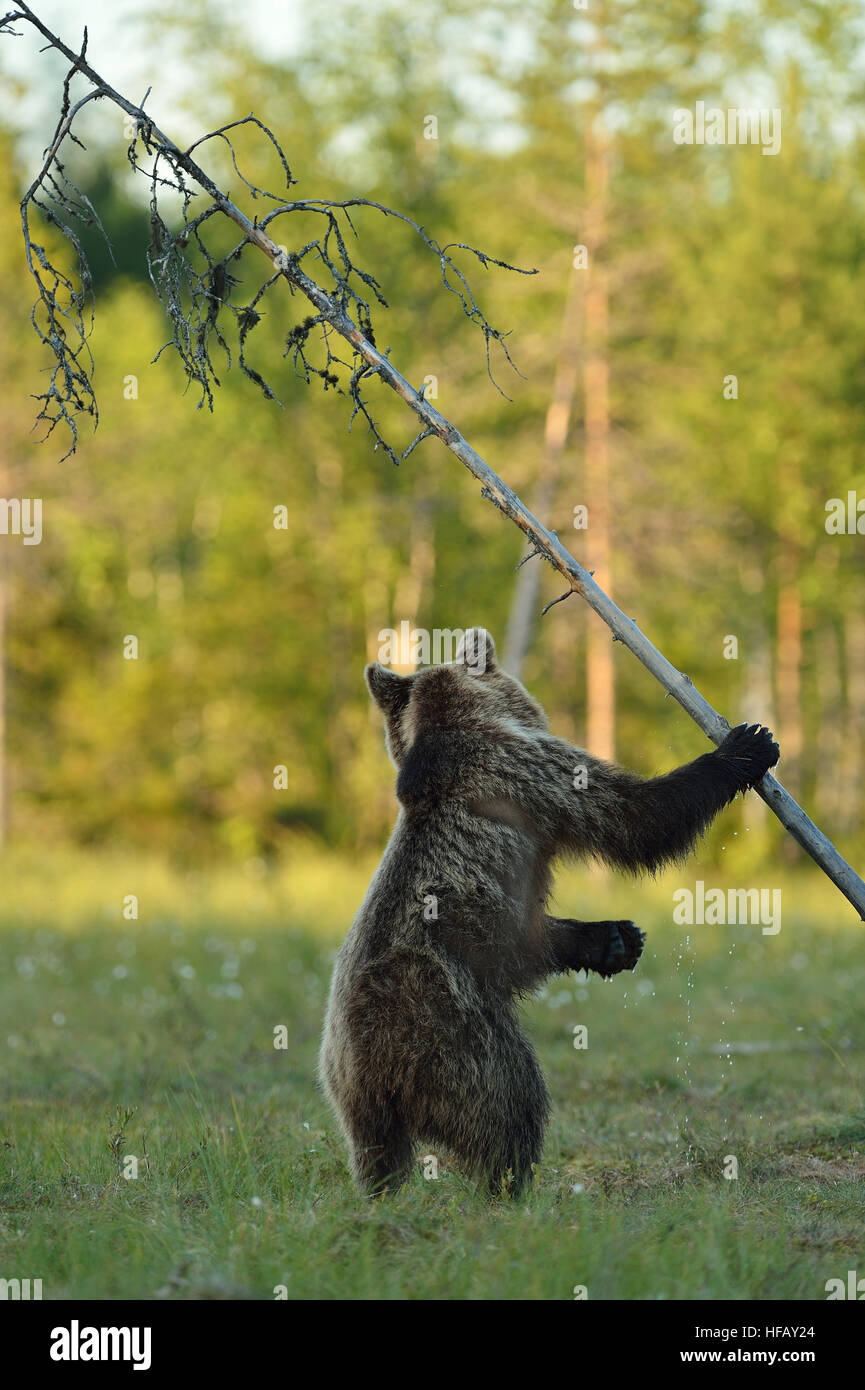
{"x":606,"y":947}
{"x":623,"y":948}
{"x":749,"y":751}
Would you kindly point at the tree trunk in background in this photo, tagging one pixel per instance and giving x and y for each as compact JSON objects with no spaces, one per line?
{"x":600,"y":669}
{"x":757,"y":701}
{"x":788,"y":668}
{"x":374,"y":593}
{"x":850,"y":770}
{"x":7,"y":491}
{"x":418,"y":573}
{"x":565,"y":643}
{"x":3,"y":779}
{"x":341,"y":684}
{"x":830,"y":713}
{"x":525,"y":603}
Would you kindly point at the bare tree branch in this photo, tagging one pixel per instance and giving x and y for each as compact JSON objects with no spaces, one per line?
{"x":193,"y":284}
{"x":332,"y":312}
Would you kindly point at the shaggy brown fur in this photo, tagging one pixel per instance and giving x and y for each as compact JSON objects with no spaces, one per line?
{"x":422,"y":1042}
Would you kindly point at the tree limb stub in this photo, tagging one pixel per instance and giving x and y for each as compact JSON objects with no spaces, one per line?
{"x":543,"y":541}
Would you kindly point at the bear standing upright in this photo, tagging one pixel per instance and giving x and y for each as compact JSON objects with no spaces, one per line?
{"x":422,"y":1041}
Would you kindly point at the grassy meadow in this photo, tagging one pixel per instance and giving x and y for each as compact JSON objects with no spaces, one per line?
{"x":147,"y":1047}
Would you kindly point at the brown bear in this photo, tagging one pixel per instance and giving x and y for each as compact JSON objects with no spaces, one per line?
{"x":422,"y":1040}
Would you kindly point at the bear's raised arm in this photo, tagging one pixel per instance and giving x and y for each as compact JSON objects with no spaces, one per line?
{"x":577,"y":803}
{"x":643,"y":823}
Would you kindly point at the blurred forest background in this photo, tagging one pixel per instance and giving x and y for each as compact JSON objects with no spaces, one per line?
{"x":707,"y":515}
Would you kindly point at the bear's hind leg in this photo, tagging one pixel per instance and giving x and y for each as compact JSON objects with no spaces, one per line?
{"x":381,"y":1149}
{"x":509,"y":1158}
{"x":489,"y":1108}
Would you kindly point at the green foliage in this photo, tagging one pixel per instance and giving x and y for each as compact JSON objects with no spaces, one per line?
{"x":252,"y":639}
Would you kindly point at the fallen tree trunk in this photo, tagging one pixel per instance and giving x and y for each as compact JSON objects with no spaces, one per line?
{"x":544,"y":543}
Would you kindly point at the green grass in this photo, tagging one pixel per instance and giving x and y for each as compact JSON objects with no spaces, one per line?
{"x":154,"y":1038}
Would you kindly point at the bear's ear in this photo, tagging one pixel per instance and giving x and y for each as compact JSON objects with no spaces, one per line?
{"x":477,"y":651}
{"x":389,"y":690}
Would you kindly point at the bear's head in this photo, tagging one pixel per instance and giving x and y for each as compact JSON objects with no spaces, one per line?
{"x":471,"y":692}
